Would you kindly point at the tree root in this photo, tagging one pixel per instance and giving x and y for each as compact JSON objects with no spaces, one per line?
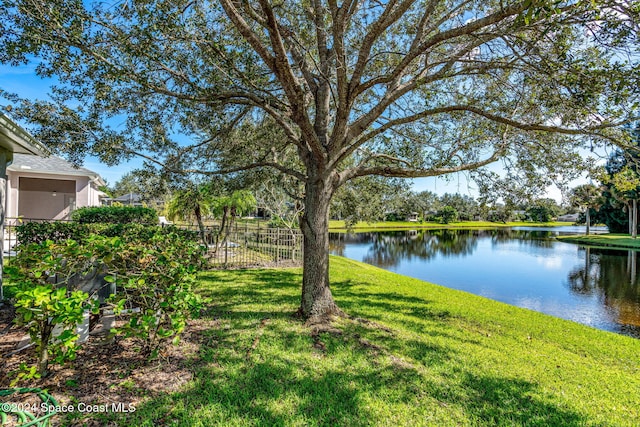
{"x":325,"y":317}
{"x":371,"y":324}
{"x":321,"y":324}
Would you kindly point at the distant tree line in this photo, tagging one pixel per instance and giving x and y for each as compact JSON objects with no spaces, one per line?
{"x":365,"y":199}
{"x":620,"y":189}
{"x":388,"y":201}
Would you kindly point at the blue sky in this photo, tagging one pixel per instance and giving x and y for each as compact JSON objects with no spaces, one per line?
{"x":23,"y":81}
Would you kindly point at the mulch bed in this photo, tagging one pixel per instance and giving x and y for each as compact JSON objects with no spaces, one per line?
{"x":106,"y":370}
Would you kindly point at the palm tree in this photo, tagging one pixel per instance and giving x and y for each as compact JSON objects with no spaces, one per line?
{"x":587,"y":196}
{"x":192,"y":202}
{"x":626,"y":185}
{"x":229,"y":207}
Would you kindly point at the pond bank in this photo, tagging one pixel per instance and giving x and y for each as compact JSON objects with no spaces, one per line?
{"x":336,"y":226}
{"x":525,"y":266}
{"x":623,"y":241}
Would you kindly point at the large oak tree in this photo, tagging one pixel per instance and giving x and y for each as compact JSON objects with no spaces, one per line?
{"x":325,"y":91}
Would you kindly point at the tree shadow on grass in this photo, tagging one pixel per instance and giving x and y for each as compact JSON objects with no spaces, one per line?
{"x":278,"y":288}
{"x":391,"y":302}
{"x":251,"y":280}
{"x":277,"y":392}
{"x":414,"y":314}
{"x":274,"y":390}
{"x":493,"y":401}
{"x":266,"y":393}
{"x":277,"y":278}
{"x":348,"y":298}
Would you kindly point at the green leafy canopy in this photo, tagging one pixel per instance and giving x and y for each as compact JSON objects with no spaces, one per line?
{"x":409,"y":88}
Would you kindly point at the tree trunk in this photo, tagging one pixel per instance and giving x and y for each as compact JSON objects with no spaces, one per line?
{"x":223,"y":224}
{"x":231,"y":213}
{"x":198,"y":214}
{"x":317,"y":304}
{"x":46,"y":330}
{"x":588,"y":220}
{"x":634,"y":230}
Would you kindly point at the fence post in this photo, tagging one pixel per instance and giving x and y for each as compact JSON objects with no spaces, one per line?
{"x":226,"y":250}
{"x":277,"y":245}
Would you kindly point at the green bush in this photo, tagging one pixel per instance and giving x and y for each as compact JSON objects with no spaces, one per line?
{"x":156,"y":277}
{"x":40,"y":232}
{"x":41,"y":309}
{"x":60,"y":231}
{"x":43,"y":273}
{"x":116,"y":215}
{"x":540,"y":213}
{"x":447,"y":214}
{"x":153,"y":275}
{"x":139,"y":232}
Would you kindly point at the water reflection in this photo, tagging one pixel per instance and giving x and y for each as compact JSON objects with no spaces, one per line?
{"x":527,"y":267}
{"x":387,"y":249}
{"x":612,"y":277}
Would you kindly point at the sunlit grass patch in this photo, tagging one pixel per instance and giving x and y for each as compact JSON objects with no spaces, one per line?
{"x":606,"y":240}
{"x":411,"y":354}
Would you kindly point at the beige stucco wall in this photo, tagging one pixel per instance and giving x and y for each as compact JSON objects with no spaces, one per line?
{"x":43,"y":204}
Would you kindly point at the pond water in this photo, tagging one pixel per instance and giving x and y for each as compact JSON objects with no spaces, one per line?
{"x":523,"y":266}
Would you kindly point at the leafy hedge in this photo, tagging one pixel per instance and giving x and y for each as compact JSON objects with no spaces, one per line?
{"x":155,"y":276}
{"x":140,"y":232}
{"x":152,"y":267}
{"x":116,"y":215}
{"x":40,"y":232}
{"x":152,"y":275}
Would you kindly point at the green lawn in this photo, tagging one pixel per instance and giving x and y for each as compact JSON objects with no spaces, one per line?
{"x":362,"y":227}
{"x":418,"y":354}
{"x":607,"y":240}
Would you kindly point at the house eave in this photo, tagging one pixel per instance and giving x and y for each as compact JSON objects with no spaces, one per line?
{"x":92,"y":176}
{"x":17,"y":140}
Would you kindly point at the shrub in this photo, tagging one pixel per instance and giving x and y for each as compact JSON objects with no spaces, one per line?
{"x":540,"y":213}
{"x":40,"y":232}
{"x":277,"y":222}
{"x":41,"y":309}
{"x":116,"y":215}
{"x":156,"y":277}
{"x":499,"y":214}
{"x":140,"y":232}
{"x":448,"y":214}
{"x":60,"y":231}
{"x":153,"y":275}
{"x":45,"y":300}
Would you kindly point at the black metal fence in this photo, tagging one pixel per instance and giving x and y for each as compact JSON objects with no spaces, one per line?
{"x":253,"y":245}
{"x":243,"y":245}
{"x":10,"y":237}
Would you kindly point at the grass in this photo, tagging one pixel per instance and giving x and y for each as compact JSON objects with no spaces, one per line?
{"x":415,"y":354}
{"x":604,"y":240}
{"x":364,"y":227}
